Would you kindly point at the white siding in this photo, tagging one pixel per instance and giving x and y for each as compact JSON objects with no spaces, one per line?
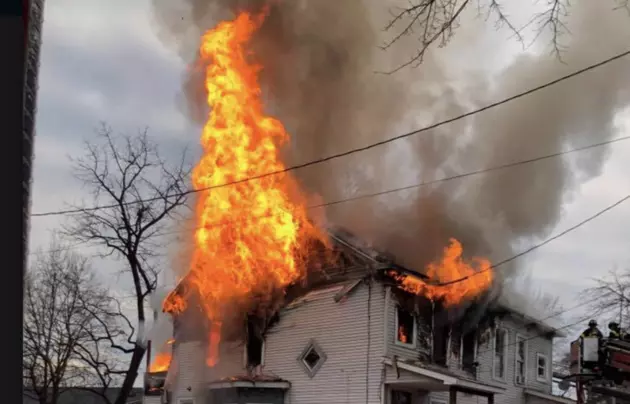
{"x":351,"y":335}
{"x":188,"y":367}
{"x":534,"y":343}
{"x":355,"y":334}
{"x":152,"y":400}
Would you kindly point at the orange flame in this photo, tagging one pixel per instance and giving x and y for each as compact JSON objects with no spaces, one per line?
{"x":160,"y":363}
{"x":174,"y":303}
{"x":472,"y":279}
{"x":402,"y":335}
{"x":248,"y":233}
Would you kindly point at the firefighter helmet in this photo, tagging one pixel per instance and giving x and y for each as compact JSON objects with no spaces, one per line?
{"x":592,"y":323}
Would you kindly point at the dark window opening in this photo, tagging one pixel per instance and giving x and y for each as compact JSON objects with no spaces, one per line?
{"x":254,"y":348}
{"x":468,"y":351}
{"x":401,"y":397}
{"x":440,"y":344}
{"x":405,"y":333}
{"x":311,"y":359}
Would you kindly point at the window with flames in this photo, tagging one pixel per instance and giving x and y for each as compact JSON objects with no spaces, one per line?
{"x":405,"y":328}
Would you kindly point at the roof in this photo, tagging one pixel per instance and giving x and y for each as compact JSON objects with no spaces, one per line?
{"x":543,"y":323}
{"x":446,"y":379}
{"x":355,"y":261}
{"x":246,"y":381}
{"x":549,"y":397}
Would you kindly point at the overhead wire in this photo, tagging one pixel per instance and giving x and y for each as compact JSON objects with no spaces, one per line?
{"x":536,"y":246}
{"x":356,"y":150}
{"x":425,"y":183}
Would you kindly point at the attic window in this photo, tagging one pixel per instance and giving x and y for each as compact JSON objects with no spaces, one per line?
{"x":405,"y":328}
{"x":312,"y":358}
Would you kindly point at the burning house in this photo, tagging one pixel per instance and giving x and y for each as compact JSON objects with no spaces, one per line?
{"x":275,"y":309}
{"x":355,"y":333}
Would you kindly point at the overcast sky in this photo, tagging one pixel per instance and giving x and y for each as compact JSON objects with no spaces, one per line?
{"x":101,"y":61}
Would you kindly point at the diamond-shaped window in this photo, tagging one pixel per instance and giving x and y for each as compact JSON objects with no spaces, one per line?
{"x":312,"y":358}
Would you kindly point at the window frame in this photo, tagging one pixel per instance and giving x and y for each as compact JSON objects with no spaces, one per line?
{"x":312,"y":371}
{"x":461,"y":350}
{"x":545,"y":378}
{"x":262,"y":354}
{"x":413,"y":343}
{"x":506,"y":340}
{"x":517,"y":340}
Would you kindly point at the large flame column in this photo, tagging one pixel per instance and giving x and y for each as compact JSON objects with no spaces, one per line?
{"x":248,"y":233}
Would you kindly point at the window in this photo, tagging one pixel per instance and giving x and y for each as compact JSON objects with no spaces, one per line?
{"x":405,"y":328}
{"x":468,"y":351}
{"x":541,"y":368}
{"x":401,"y":397}
{"x":312,"y":358}
{"x":254,"y":348}
{"x":441,"y":342}
{"x":520,"y":368}
{"x":500,"y":347}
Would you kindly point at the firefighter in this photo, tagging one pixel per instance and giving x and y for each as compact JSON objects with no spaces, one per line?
{"x":592,"y":330}
{"x":615,"y":331}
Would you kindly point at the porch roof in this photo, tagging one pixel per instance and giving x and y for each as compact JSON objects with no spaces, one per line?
{"x":260,"y":382}
{"x":433,"y":380}
{"x":549,"y":397}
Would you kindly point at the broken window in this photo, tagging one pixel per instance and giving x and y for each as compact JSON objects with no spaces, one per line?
{"x":254,"y":347}
{"x":468,"y":351}
{"x":312,"y":358}
{"x":405,"y":327}
{"x":500,"y":346}
{"x":401,"y":397}
{"x":520,"y":360}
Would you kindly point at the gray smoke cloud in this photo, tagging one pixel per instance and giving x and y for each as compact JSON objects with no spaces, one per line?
{"x":320,"y":59}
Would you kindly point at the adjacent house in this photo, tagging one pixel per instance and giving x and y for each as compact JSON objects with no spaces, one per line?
{"x":353,"y":336}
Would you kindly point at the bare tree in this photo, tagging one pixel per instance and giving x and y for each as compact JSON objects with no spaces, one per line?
{"x":60,"y":297}
{"x":135,"y":192}
{"x":434,"y":22}
{"x":611,"y":294}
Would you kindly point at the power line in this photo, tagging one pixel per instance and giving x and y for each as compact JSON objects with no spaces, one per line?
{"x":536,"y":246}
{"x":431,"y":182}
{"x":472,"y":173}
{"x":356,"y":150}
